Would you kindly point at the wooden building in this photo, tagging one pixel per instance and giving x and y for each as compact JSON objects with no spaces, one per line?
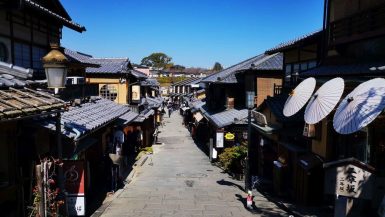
{"x":353,"y":39}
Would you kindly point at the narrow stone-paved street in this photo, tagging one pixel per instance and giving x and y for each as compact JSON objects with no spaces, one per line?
{"x":178,"y":180}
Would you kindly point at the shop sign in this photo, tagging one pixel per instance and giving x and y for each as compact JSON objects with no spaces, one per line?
{"x":259,"y":118}
{"x":135,"y":93}
{"x":219,"y":139}
{"x":74,"y":182}
{"x":229,"y":136}
{"x":349,"y":181}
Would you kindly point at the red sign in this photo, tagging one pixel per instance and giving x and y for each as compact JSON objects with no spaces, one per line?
{"x":74,"y":177}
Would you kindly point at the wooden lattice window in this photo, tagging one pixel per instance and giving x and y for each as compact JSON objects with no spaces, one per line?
{"x":109,"y":91}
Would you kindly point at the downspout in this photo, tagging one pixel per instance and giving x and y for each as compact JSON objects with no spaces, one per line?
{"x":73,"y":129}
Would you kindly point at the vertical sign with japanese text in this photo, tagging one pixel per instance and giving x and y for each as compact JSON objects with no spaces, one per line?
{"x":219,"y":139}
{"x":74,"y":182}
{"x":349,"y":181}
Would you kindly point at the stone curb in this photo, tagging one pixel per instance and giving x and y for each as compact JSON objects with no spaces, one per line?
{"x":139,"y":163}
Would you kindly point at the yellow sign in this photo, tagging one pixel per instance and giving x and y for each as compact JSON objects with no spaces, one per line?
{"x":229,"y":136}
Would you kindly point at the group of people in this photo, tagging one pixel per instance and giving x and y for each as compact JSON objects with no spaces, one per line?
{"x":120,"y":146}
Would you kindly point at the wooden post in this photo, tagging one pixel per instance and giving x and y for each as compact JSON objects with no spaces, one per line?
{"x":39,"y":183}
{"x":342,"y":206}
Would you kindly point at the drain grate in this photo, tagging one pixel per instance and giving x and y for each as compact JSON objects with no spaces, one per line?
{"x":192,"y":175}
{"x":189,"y":183}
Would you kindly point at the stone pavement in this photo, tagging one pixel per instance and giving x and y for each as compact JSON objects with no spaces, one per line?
{"x":178,"y":180}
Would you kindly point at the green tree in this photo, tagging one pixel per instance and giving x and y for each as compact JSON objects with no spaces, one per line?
{"x":157,"y":60}
{"x":217,"y":67}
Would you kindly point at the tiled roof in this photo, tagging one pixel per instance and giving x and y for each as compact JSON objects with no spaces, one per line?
{"x":19,"y":103}
{"x":82,"y":119}
{"x":14,"y":76}
{"x":276,"y":105}
{"x":196,"y":105}
{"x":225,"y":118}
{"x":285,"y":45}
{"x":376,"y":69}
{"x":260,"y":62}
{"x":109,"y":65}
{"x":66,"y":21}
{"x":144,"y":115}
{"x":103,"y":65}
{"x":76,"y":56}
{"x":138,"y":74}
{"x":149,"y":82}
{"x":127,"y":118}
{"x":179,"y":83}
{"x":154,"y":102}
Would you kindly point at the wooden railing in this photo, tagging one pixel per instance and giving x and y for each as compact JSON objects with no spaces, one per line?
{"x":362,"y":25}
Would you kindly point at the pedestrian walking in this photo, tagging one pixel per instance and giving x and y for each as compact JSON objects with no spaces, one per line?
{"x":169,"y":112}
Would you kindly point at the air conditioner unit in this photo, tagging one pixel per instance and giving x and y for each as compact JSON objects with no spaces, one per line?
{"x":75,"y":80}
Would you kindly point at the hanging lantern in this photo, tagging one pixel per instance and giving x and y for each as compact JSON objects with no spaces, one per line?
{"x":55,"y":65}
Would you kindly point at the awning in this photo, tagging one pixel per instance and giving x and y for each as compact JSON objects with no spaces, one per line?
{"x":309,"y":161}
{"x":198,"y":116}
{"x":143,"y":116}
{"x":267,"y":130}
{"x":127,"y":118}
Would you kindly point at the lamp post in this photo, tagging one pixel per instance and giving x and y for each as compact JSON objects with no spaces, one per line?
{"x":250,"y":105}
{"x":55,"y":64}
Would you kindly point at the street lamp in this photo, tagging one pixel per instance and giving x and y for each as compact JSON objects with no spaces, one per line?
{"x":55,"y":64}
{"x":250,"y":106}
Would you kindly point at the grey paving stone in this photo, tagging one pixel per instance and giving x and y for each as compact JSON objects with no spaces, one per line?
{"x":182,"y":182}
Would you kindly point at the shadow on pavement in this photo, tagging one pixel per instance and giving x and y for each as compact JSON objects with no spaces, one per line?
{"x":102,"y":189}
{"x":227,"y":183}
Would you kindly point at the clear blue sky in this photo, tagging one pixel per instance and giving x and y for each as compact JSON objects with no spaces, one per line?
{"x":193,"y":32}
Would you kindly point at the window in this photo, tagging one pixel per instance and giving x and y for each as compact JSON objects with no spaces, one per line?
{"x":3,"y":52}
{"x":37,"y":55}
{"x":312,"y":64}
{"x":22,"y":55}
{"x":288,"y":70}
{"x":108,"y":91}
{"x":304,"y":66}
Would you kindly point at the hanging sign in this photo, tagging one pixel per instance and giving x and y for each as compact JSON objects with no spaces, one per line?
{"x":74,"y":181}
{"x":348,"y":180}
{"x":219,"y":141}
{"x":135,"y":92}
{"x":229,"y":136}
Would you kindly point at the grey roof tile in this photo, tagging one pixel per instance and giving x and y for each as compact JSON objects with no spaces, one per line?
{"x":88,"y":116}
{"x":14,"y":76}
{"x":79,"y":57}
{"x":260,"y":62}
{"x":288,"y":44}
{"x":127,"y":118}
{"x":65,"y":20}
{"x":225,"y":118}
{"x":109,"y":65}
{"x":150,"y":82}
{"x":144,"y":115}
{"x":138,"y":74}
